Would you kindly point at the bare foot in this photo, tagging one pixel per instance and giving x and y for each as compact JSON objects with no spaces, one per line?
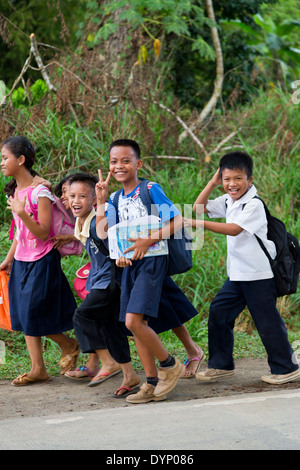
{"x":192,"y":364}
{"x":105,"y":373}
{"x":81,"y":372}
{"x":69,"y":357}
{"x":128,"y":382}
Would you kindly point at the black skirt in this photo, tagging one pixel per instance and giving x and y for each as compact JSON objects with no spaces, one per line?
{"x":40,"y":298}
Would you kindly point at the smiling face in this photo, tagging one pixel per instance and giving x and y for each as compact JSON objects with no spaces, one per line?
{"x":81,"y":199}
{"x":65,"y":190}
{"x":236,"y":182}
{"x":124,"y":165}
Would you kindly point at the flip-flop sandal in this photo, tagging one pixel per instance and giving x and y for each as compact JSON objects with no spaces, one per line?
{"x":23,"y":380}
{"x":187,"y":361}
{"x":69,"y":361}
{"x":89,"y":373}
{"x":102,"y":377}
{"x":129,"y":391}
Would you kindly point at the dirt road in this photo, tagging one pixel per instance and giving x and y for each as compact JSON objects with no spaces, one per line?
{"x":62,"y":395}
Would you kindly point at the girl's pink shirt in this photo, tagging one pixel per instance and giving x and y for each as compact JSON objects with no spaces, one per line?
{"x":29,"y":247}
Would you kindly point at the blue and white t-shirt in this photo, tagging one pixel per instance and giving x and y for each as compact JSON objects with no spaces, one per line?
{"x":131,"y":206}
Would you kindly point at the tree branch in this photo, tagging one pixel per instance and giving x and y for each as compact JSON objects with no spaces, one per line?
{"x":35,"y":52}
{"x":219,"y":73}
{"x":25,"y":67}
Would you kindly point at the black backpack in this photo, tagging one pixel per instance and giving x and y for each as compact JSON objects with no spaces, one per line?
{"x":179,"y":244}
{"x":286,"y":265}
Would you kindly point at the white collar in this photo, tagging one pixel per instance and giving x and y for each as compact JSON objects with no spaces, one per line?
{"x":82,"y":232}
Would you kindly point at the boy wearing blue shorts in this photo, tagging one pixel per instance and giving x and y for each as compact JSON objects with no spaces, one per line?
{"x":142,"y":278}
{"x":250,"y":278}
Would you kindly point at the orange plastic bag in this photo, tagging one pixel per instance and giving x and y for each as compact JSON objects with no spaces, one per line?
{"x":5,"y":322}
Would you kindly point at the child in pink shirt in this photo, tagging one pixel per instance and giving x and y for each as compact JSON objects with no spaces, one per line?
{"x":40,"y":298}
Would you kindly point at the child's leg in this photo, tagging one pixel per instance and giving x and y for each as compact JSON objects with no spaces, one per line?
{"x":195,"y":355}
{"x":261,"y":300}
{"x":130,"y":379}
{"x":224,"y":309}
{"x":145,"y":335}
{"x":150,"y":348}
{"x":148,"y":361}
{"x":38,"y":369}
{"x":69,"y":351}
{"x":90,"y":369}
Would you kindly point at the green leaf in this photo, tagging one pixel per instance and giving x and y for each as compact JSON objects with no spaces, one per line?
{"x":204,"y":49}
{"x":106,"y":30}
{"x":237,"y":24}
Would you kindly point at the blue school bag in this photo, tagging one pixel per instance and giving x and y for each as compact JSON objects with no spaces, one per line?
{"x":179,"y":244}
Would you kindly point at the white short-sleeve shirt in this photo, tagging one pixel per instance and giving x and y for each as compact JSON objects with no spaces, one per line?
{"x":246,"y":261}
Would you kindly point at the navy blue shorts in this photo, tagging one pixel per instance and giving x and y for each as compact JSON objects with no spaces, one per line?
{"x":142,"y":285}
{"x":175,"y":309}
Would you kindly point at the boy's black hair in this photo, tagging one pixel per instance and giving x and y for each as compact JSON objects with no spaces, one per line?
{"x":237,"y":160}
{"x":127,"y":143}
{"x":91,"y":180}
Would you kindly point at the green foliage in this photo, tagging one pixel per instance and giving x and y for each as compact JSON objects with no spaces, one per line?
{"x":53,"y":23}
{"x":170,"y":17}
{"x":32,"y":95}
{"x":272,"y":40}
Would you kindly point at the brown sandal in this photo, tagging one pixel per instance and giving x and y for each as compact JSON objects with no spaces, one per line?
{"x":69,"y":361}
{"x":23,"y":380}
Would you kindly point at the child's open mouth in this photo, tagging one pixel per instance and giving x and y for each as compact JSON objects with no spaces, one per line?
{"x":76,"y":209}
{"x":233,"y":191}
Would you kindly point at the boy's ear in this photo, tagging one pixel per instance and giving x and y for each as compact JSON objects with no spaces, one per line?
{"x":250,"y":180}
{"x":139,"y":164}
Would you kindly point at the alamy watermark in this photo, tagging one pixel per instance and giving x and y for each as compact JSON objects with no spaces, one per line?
{"x":296,"y":349}
{"x":296,"y":93}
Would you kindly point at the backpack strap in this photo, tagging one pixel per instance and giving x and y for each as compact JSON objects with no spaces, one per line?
{"x":115,"y":202}
{"x":146,"y":198}
{"x":260,"y":242}
{"x":12,"y":229}
{"x":96,"y":239}
{"x":99,"y":243}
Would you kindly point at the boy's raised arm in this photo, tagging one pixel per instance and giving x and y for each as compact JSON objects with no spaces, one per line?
{"x":202,"y":199}
{"x":101,"y":189}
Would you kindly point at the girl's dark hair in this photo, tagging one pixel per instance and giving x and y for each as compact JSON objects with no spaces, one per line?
{"x":127,"y":143}
{"x":237,"y":160}
{"x":58,"y":188}
{"x":18,"y":146}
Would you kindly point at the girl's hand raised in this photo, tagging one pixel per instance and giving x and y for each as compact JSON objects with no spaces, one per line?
{"x":14,"y":204}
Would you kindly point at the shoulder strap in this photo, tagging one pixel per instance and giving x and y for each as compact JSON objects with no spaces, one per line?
{"x":98,"y":242}
{"x":115,"y":202}
{"x":146,"y":198}
{"x":257,"y":238}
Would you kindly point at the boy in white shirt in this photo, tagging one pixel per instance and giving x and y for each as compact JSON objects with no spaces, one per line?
{"x":250,"y":278}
